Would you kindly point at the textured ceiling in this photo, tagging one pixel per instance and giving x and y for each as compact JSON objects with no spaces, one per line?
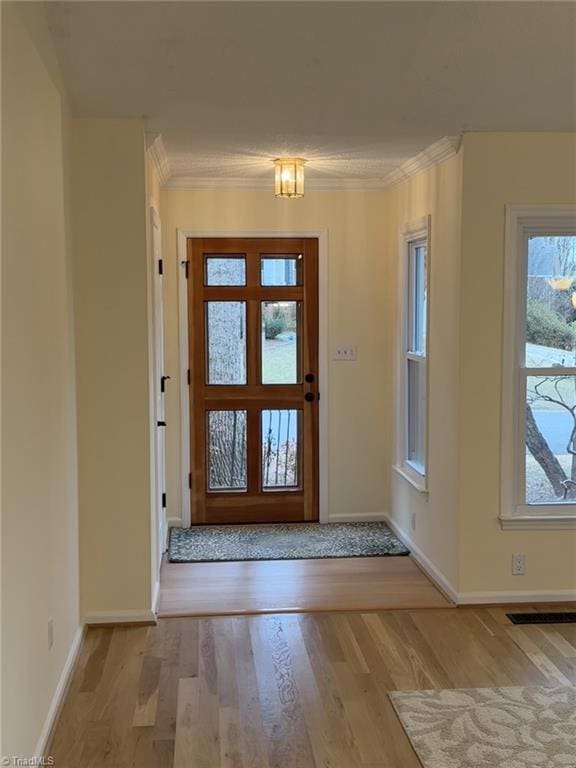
{"x":358,"y":88}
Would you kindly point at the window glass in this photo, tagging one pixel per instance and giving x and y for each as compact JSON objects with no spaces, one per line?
{"x":550,"y":462}
{"x":417,"y":414}
{"x":415,"y":372}
{"x":550,"y":397}
{"x":418,"y":299}
{"x":551,"y":302}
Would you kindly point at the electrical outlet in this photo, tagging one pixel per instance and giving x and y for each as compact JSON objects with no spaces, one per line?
{"x":345,"y":353}
{"x":518,"y":565}
{"x":50,"y":634}
{"x":413,"y":520}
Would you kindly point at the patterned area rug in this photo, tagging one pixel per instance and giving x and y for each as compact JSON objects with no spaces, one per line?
{"x":491,"y":727}
{"x":294,"y":541}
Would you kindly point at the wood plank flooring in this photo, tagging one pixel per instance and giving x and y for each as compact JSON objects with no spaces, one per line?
{"x":340,"y":584}
{"x":286,"y":691}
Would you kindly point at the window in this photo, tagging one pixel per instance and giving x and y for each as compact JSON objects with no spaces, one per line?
{"x":539,"y":367}
{"x":412,"y":364}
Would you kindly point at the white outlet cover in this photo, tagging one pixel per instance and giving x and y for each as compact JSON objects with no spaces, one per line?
{"x":518,"y":565}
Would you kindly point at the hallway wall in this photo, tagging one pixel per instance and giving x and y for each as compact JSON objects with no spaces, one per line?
{"x":39,"y":476}
{"x":112,"y":297}
{"x":430,"y":520}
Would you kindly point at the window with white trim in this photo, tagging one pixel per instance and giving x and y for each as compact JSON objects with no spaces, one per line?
{"x":413,"y":363}
{"x":539,"y":396}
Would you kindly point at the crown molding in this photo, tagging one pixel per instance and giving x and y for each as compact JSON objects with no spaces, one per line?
{"x":192,"y":183}
{"x":441,"y":150}
{"x":157,"y":153}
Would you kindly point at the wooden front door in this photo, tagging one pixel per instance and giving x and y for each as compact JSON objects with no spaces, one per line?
{"x":253,"y":331}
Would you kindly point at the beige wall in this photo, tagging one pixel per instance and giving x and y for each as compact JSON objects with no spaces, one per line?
{"x":500,"y":168}
{"x":436,"y":192}
{"x":358,"y":451}
{"x":111,"y":284}
{"x":39,"y":494}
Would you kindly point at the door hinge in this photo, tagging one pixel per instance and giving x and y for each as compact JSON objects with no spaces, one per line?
{"x":163,"y":501}
{"x":188,"y":376}
{"x":185,"y":265}
{"x":160,"y":267}
{"x":190,"y":480}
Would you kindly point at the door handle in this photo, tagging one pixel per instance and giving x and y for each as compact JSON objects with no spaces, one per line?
{"x":309,"y":378}
{"x":309,"y":396}
{"x":163,"y":380}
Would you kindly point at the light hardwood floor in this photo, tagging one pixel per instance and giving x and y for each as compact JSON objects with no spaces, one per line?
{"x":340,"y":584}
{"x":286,"y":691}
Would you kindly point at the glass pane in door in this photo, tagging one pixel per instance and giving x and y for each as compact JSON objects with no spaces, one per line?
{"x":280,"y":270}
{"x":280,"y":332}
{"x":280,"y":449}
{"x":226,"y":450}
{"x":226,"y":342}
{"x":225,"y":270}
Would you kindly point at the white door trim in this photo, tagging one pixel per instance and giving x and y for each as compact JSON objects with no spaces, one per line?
{"x":323,"y":356}
{"x":159,"y":369}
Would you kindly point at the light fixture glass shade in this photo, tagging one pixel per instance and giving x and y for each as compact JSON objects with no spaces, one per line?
{"x":289,"y":177}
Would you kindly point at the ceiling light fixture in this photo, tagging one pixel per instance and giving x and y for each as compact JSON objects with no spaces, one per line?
{"x":289,"y":176}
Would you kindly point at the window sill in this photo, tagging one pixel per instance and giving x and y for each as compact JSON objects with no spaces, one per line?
{"x":411,"y":476}
{"x":537,"y":522}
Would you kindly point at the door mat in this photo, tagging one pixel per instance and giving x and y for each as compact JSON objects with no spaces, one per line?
{"x":292,"y":541}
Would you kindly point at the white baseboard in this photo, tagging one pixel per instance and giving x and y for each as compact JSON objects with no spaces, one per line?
{"x":425,"y":563}
{"x":174,"y":522}
{"x":478,"y":598}
{"x":366,"y":517}
{"x":60,"y":692}
{"x":120,"y":617}
{"x":539,"y":596}
{"x":155,"y":597}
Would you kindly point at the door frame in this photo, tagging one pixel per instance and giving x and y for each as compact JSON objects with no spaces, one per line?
{"x":323,"y":354}
{"x":158,"y":366}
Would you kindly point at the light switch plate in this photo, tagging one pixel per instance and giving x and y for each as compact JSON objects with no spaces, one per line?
{"x":348,"y":353}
